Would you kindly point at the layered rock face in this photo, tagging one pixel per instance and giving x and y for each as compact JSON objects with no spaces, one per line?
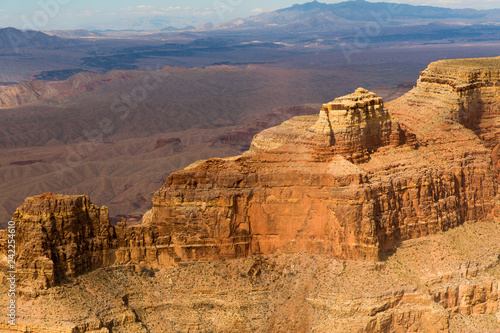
{"x":59,"y":237}
{"x":349,"y":183}
{"x":430,"y":284}
{"x":355,"y":125}
{"x":304,"y":186}
{"x":466,"y":91}
{"x":467,"y":88}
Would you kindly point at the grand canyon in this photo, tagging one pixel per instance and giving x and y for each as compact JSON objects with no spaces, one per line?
{"x":291,"y":171}
{"x":364,"y":216}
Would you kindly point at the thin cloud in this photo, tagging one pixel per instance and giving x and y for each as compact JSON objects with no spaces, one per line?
{"x":151,"y":9}
{"x":172,"y":8}
{"x":205,"y":13}
{"x":82,"y":13}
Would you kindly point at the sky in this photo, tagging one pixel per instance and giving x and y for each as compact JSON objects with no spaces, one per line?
{"x":150,"y":14}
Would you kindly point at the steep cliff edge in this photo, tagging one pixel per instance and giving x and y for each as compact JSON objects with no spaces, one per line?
{"x":440,"y":283}
{"x":353,"y":126}
{"x":349,"y":183}
{"x":464,"y":91}
{"x":59,"y":237}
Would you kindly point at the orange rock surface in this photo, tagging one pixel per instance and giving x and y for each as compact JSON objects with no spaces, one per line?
{"x":349,"y":183}
{"x":58,"y":237}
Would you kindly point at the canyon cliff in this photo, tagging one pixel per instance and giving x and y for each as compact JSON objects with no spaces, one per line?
{"x":350,"y":183}
{"x":385,"y":183}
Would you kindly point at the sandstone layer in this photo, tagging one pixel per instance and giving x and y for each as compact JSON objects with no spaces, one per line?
{"x":349,"y":183}
{"x":60,"y":237}
{"x":463,"y":91}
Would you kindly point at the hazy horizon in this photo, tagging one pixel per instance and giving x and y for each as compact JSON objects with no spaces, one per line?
{"x":153,"y":14}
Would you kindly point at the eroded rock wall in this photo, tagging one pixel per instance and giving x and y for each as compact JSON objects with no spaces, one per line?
{"x":417,"y":174}
{"x":329,"y":207}
{"x":58,"y":237}
{"x":357,"y":124}
{"x":464,"y":91}
{"x":353,"y":126}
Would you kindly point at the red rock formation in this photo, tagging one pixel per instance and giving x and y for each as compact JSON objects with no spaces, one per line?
{"x":62,"y":236}
{"x":356,"y":124}
{"x":295,"y":191}
{"x":350,"y":184}
{"x":58,"y":237}
{"x":353,"y":126}
{"x":461,"y":90}
{"x":328,"y":207}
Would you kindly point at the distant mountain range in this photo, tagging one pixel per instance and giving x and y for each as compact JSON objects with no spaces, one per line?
{"x":13,"y":40}
{"x":145,"y":23}
{"x":311,"y":16}
{"x":360,"y":10}
{"x":312,"y":27}
{"x":319,"y":16}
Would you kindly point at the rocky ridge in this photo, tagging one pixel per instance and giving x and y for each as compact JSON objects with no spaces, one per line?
{"x":60,"y":237}
{"x":450,"y":289}
{"x":464,"y":91}
{"x":362,"y":180}
{"x":37,"y":90}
